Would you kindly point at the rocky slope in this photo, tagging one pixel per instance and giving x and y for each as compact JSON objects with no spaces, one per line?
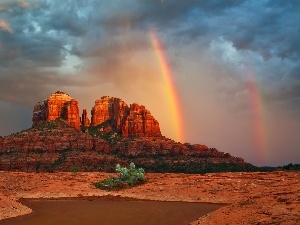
{"x":56,"y":146}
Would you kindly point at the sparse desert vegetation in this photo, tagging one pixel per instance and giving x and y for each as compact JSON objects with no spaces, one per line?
{"x":128,"y":177}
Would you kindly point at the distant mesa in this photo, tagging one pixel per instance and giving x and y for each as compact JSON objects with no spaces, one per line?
{"x":128,"y":121}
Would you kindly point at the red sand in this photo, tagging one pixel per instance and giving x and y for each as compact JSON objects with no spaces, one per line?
{"x":253,"y":198}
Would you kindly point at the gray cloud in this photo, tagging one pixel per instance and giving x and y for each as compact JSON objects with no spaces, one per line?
{"x":46,"y":33}
{"x":5,"y":26}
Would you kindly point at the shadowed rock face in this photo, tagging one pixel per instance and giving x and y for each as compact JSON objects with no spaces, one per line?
{"x":84,"y":119}
{"x":58,"y":105}
{"x":129,"y":121}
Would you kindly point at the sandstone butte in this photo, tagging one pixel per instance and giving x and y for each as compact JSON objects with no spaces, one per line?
{"x":60,"y":140}
{"x":133,"y":120}
{"x":58,"y":105}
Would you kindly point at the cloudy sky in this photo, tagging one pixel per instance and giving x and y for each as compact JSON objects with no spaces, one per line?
{"x":235,"y":64}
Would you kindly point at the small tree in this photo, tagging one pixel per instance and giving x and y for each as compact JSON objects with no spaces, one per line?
{"x":127,"y":178}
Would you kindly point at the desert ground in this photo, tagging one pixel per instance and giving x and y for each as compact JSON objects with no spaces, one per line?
{"x":248,"y":197}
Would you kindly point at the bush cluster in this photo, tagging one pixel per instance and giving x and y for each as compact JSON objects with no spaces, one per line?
{"x":111,"y":137}
{"x":127,"y":178}
{"x":290,"y":167}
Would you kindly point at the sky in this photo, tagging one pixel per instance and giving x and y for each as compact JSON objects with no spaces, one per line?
{"x":235,"y":66}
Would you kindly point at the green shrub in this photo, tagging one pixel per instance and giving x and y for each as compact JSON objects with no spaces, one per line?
{"x":290,"y":167}
{"x":111,"y":137}
{"x":74,"y":169}
{"x":127,"y":178}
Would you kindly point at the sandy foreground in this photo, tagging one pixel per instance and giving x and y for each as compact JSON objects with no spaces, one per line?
{"x":252,"y":198}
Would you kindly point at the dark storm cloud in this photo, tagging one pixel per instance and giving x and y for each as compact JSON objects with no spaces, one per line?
{"x":270,"y":31}
{"x":40,"y":50}
{"x":289,"y":91}
{"x":26,"y":88}
{"x":163,"y":14}
{"x":28,"y":53}
{"x":68,"y":17}
{"x":26,"y":44}
{"x":108,"y":32}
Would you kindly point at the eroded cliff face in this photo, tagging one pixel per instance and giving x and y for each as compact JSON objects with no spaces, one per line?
{"x":128,"y":121}
{"x":109,"y":108}
{"x":58,"y":105}
{"x":70,"y":113}
{"x":140,"y":123}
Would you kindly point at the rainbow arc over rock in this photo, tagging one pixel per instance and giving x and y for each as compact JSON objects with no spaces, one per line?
{"x":171,"y":90}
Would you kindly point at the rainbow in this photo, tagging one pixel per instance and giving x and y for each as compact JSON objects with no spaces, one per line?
{"x":259,"y":129}
{"x":170,"y":86}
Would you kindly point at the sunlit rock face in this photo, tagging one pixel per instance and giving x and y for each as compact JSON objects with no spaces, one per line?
{"x":140,"y":123}
{"x":109,"y":108}
{"x":58,"y":105}
{"x":129,"y":121}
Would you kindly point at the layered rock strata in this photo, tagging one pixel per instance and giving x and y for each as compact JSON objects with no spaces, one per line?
{"x":58,"y":105}
{"x":54,"y":146}
{"x":111,"y":109}
{"x":140,"y":122}
{"x":51,"y":146}
{"x":128,"y":121}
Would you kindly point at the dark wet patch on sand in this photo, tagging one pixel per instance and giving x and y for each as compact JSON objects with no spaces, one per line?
{"x":110,"y":210}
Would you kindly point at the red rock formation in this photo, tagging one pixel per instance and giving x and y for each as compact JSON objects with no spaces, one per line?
{"x":39,"y":112}
{"x":110,"y":108}
{"x":84,"y":119}
{"x":55,"y":146}
{"x":43,"y":139}
{"x":70,"y":113}
{"x":60,"y":148}
{"x":58,"y":105}
{"x":140,"y":123}
{"x":43,"y":149}
{"x":128,"y":121}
